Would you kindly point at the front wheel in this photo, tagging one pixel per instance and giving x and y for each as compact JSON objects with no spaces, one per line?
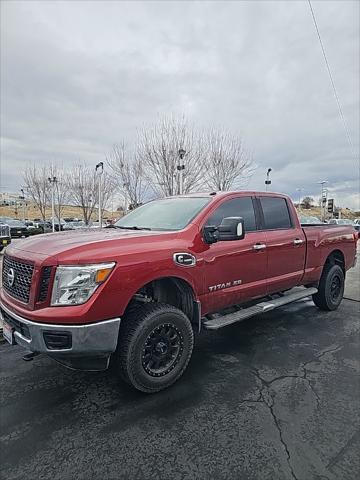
{"x":331,"y":288}
{"x":155,"y":346}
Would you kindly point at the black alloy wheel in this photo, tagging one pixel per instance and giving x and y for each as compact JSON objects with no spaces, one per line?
{"x":162,"y":350}
{"x":331,"y":288}
{"x":154,"y":347}
{"x":335,"y":288}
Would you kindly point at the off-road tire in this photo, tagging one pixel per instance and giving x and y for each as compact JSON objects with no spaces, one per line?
{"x":331,"y":288}
{"x":137,"y":327}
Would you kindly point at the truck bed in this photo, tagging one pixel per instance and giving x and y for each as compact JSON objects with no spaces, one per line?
{"x":321,"y":240}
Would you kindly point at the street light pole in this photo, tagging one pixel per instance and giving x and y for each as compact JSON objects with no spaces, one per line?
{"x":125,"y":185}
{"x":24,"y":203}
{"x":299,"y":190}
{"x":268,"y":181}
{"x":100,"y":169}
{"x":181,"y":168}
{"x":52,"y":181}
{"x":322,"y":206}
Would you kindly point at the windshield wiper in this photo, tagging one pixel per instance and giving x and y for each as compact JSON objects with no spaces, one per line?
{"x":134,"y":227}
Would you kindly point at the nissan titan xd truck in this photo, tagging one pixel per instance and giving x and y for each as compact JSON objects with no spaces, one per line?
{"x":136,"y":293}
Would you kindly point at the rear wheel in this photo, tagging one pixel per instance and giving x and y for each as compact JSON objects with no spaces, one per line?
{"x":155,"y":346}
{"x":331,"y":288}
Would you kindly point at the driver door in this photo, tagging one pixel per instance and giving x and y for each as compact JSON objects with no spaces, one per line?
{"x":235,"y":271}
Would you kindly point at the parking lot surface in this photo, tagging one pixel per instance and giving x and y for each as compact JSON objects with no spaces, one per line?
{"x":275,"y":397}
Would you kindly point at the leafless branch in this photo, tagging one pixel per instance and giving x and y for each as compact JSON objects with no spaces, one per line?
{"x":129,"y":174}
{"x":82,"y":187}
{"x":61,"y":192}
{"x":37,"y":187}
{"x":227,"y":163}
{"x":158,"y":150}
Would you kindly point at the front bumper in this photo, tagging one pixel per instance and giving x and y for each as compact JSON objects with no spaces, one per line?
{"x":88,"y":347}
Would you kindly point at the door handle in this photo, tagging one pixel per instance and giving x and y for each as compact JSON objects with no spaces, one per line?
{"x":298,"y":241}
{"x":259,"y":246}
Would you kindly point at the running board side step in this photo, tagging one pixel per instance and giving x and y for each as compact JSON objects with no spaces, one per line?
{"x":262,"y":307}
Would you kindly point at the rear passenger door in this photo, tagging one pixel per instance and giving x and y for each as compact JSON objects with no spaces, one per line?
{"x":285,"y":244}
{"x":235,"y":270}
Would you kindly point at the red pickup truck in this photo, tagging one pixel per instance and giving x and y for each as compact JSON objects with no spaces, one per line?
{"x":138,"y":291}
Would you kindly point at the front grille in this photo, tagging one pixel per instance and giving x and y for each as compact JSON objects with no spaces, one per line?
{"x":18,"y":326}
{"x":4,"y":231}
{"x":16,"y":278}
{"x":44,"y":283}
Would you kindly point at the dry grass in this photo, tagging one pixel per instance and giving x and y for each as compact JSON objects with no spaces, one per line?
{"x":315,"y":212}
{"x":32,"y":212}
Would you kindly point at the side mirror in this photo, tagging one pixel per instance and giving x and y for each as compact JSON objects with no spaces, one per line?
{"x":231,"y":228}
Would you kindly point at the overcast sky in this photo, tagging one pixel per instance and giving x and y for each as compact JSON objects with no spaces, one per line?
{"x":77,"y":77}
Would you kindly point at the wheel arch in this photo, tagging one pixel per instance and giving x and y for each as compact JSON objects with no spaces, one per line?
{"x":172,"y":290}
{"x":336,"y":257}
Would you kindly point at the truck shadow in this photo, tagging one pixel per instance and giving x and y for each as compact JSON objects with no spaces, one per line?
{"x":46,"y":397}
{"x":44,"y":405}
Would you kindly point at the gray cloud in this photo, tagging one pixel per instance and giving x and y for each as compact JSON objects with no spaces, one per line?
{"x":77,"y":77}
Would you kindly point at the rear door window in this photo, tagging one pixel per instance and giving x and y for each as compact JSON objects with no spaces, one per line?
{"x":236,"y":207}
{"x":276,"y":213}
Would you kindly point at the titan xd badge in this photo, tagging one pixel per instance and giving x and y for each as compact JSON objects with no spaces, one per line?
{"x":221,"y":286}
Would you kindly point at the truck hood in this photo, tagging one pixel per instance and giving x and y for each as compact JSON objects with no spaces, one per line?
{"x":52,"y":244}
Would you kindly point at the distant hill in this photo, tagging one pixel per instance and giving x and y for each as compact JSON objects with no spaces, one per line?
{"x":315,"y":212}
{"x":76,"y":212}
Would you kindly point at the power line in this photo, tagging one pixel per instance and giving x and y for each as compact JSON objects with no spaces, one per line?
{"x":332,"y":82}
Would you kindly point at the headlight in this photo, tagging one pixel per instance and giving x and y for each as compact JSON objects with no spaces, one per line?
{"x":75,"y":285}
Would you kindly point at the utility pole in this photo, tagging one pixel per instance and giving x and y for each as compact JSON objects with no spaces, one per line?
{"x":126,"y":186}
{"x":100,"y":169}
{"x":53,"y":181}
{"x":268,"y":181}
{"x":323,"y":197}
{"x":180,"y":168}
{"x":299,"y":190}
{"x":24,"y":203}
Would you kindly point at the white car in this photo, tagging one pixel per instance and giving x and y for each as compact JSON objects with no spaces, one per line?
{"x":75,"y":225}
{"x":341,"y":221}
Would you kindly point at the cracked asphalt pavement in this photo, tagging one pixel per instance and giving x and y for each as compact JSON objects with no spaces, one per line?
{"x":275,"y":397}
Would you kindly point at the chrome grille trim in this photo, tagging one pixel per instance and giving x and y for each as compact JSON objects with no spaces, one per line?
{"x":23,"y":273}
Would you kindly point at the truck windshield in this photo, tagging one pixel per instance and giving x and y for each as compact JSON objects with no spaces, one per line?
{"x":166,"y":214}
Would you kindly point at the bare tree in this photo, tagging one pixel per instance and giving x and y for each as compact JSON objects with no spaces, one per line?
{"x":129,"y":175}
{"x":37,"y":187}
{"x":61,"y":191}
{"x":83,"y":189}
{"x":307,"y":202}
{"x":158,"y":152}
{"x":108,"y":189}
{"x":227,"y":163}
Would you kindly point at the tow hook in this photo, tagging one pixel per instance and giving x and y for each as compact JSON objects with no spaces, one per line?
{"x":29,"y":357}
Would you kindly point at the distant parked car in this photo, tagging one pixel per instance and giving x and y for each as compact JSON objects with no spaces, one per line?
{"x":59,"y":226}
{"x":5,"y":237}
{"x":33,"y":228}
{"x":43,"y":226}
{"x":18,"y":229}
{"x":345,"y":221}
{"x":74,"y":225}
{"x":307,"y":219}
{"x":95,"y":225}
{"x":341,"y":221}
